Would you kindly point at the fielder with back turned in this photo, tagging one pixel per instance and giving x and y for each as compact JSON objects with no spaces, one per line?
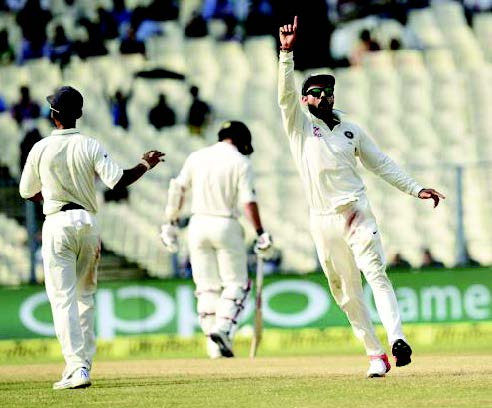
{"x":61,"y":170}
{"x":218,"y":177}
{"x":325,"y":147}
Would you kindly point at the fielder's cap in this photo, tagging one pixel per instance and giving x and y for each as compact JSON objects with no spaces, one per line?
{"x":240,"y":135}
{"x":318,"y":79}
{"x":67,"y":101}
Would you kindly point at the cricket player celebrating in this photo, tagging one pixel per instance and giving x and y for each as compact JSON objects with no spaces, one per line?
{"x":325,"y":148}
{"x":61,"y":170}
{"x":218,"y":177}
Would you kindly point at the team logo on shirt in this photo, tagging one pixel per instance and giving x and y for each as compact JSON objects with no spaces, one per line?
{"x":349,"y":134}
{"x":317,"y":131}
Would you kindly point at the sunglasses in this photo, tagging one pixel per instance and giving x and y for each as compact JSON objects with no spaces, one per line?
{"x":316,"y":92}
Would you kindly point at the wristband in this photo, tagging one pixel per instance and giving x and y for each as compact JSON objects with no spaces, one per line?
{"x":283,"y":49}
{"x":145,"y":163}
{"x":260,"y":231}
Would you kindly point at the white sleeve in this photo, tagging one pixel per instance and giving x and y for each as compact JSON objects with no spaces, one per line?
{"x":30,"y":182}
{"x":288,"y":100}
{"x":185,"y":176}
{"x":382,"y":165}
{"x":107,"y":169}
{"x":246,"y":189}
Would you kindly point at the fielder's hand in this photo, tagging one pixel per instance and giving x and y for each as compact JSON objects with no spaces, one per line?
{"x":287,"y":35}
{"x":153,"y":157}
{"x":169,"y":237}
{"x":264,"y":245}
{"x":427,"y":193}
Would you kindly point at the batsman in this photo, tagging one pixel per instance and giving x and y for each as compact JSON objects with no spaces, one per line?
{"x":218,"y":178}
{"x":325,"y":147}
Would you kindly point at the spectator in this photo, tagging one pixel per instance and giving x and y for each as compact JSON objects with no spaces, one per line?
{"x":108,"y":26}
{"x":260,"y":19}
{"x":130,"y":44}
{"x":395,"y":44}
{"x":228,"y":13}
{"x":7,"y":54}
{"x":3,"y":104}
{"x":60,"y":48}
{"x":162,"y":115}
{"x":398,"y":262}
{"x":366,"y":44}
{"x":94,"y":44}
{"x":197,"y":26}
{"x":429,"y":261}
{"x":120,"y":13}
{"x":32,"y":20}
{"x":144,"y":24}
{"x":118,"y":104}
{"x":163,"y":10}
{"x":25,"y":108}
{"x":198,"y":114}
{"x":31,"y":137}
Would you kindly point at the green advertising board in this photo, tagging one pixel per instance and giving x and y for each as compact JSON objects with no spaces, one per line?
{"x":290,"y":302}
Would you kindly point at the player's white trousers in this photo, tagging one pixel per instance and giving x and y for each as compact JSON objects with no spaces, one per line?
{"x":71,"y":252}
{"x":347,"y":243}
{"x":219,"y":265}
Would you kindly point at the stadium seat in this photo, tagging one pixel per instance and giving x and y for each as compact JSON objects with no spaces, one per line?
{"x":482,"y":27}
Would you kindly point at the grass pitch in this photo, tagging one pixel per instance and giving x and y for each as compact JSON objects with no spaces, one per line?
{"x":328,"y":381}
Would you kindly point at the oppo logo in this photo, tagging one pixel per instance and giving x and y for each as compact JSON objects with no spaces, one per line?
{"x":179,"y":309}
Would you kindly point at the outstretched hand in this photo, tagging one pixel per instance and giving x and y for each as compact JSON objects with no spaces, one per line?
{"x":153,"y":157}
{"x":427,"y":193}
{"x":287,"y":35}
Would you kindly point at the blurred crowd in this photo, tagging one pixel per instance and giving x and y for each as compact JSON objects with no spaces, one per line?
{"x":85,"y":32}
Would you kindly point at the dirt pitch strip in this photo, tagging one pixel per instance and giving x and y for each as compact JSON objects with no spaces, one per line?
{"x":430,"y":381}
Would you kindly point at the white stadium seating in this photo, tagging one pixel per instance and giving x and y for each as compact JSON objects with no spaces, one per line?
{"x":428,"y":108}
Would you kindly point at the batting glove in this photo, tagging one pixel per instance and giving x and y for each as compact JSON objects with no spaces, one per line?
{"x":264,"y":245}
{"x":169,"y":237}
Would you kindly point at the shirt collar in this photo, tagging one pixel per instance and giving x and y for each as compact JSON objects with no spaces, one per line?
{"x":71,"y":131}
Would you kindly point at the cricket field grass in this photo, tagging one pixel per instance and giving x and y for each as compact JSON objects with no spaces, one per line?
{"x":432,"y":380}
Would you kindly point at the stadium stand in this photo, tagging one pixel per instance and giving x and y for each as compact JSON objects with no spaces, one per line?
{"x":428,"y":107}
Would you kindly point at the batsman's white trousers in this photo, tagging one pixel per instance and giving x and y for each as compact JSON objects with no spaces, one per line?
{"x":347,"y":243}
{"x":217,"y":252}
{"x":219,"y":263}
{"x":71,"y":251}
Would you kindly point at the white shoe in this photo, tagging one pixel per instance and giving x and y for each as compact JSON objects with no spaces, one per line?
{"x":378,"y":366}
{"x":224,"y":343}
{"x":213,"y":349}
{"x":80,"y":378}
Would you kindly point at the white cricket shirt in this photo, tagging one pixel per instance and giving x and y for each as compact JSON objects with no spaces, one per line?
{"x":63,"y":166}
{"x":326,"y":159}
{"x":219,"y":178}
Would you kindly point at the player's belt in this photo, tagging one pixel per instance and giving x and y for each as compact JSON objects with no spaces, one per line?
{"x":72,"y":206}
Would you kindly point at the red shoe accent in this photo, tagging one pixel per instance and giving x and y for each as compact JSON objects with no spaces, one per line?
{"x":383,"y":357}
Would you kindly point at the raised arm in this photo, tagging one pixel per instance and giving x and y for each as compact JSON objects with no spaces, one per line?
{"x":288,"y":36}
{"x":288,"y":97}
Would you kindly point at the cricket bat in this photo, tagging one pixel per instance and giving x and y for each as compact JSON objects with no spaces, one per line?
{"x":258,"y":323}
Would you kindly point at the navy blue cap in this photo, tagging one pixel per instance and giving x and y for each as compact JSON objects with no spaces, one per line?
{"x":67,"y":101}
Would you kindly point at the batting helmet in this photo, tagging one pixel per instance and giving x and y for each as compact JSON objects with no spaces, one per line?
{"x":240,"y":135}
{"x":67,"y":102}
